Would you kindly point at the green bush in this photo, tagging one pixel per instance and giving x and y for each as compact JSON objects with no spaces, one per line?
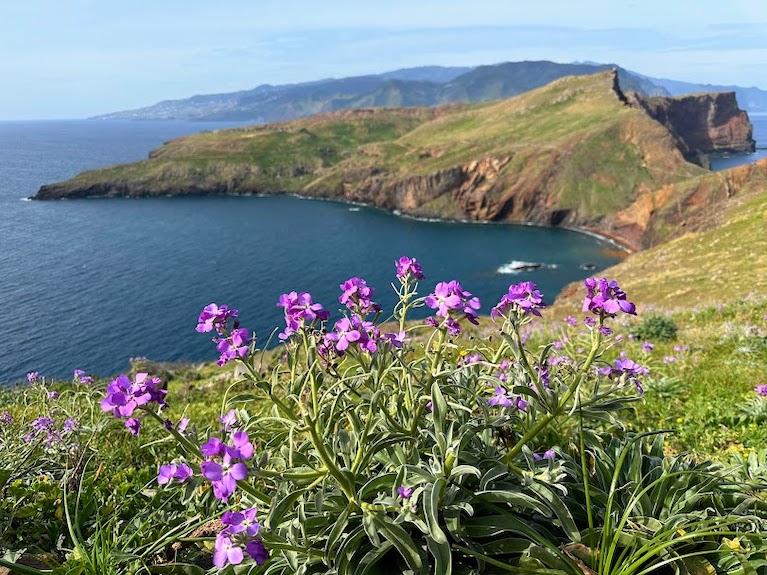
{"x":656,"y":328}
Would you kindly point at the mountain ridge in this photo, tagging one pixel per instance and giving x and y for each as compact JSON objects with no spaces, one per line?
{"x":420,"y":86}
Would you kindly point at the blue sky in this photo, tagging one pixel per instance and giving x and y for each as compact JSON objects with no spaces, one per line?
{"x":77,"y":58}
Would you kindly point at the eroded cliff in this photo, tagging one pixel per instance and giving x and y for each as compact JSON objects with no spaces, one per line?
{"x":703,"y":124}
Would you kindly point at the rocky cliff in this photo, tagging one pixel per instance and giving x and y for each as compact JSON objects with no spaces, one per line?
{"x":574,"y":153}
{"x":703,"y":124}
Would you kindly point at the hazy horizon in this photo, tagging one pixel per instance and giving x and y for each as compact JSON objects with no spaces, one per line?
{"x":84,"y":58}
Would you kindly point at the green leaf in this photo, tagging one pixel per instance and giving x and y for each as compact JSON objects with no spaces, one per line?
{"x":279,"y":510}
{"x":334,"y":538}
{"x":368,"y":565}
{"x":402,"y":542}
{"x":437,"y":541}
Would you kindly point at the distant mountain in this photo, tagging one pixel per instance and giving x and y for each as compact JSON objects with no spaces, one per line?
{"x":424,"y":86}
{"x":752,"y":99}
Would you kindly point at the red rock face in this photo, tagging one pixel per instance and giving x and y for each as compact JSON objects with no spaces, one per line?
{"x":703,"y":123}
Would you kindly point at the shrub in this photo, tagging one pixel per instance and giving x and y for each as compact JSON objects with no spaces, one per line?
{"x":656,"y":328}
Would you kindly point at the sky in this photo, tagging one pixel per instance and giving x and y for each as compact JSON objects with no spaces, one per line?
{"x":79,"y":58}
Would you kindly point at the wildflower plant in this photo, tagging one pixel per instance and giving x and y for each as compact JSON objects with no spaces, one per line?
{"x":390,"y":446}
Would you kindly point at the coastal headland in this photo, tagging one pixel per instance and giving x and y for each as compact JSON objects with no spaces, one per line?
{"x":578,"y":152}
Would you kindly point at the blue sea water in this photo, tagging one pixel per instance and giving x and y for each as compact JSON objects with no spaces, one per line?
{"x":90,"y":283}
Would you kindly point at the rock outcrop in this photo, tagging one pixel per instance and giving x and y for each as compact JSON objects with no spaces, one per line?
{"x":703,"y":124}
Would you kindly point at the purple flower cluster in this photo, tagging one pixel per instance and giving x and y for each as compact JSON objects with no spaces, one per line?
{"x":448,"y":299}
{"x":300,"y":311}
{"x":180,"y":472}
{"x":647,"y":347}
{"x":502,"y":398}
{"x":81,"y":377}
{"x":124,"y":396}
{"x":46,"y":426}
{"x":230,"y":344}
{"x":34,"y":377}
{"x":606,"y":298}
{"x":522,"y":297}
{"x":408,"y":268}
{"x":761,"y":389}
{"x":355,"y":330}
{"x":625,"y":367}
{"x":214,"y":317}
{"x":548,"y":454}
{"x":224,"y":463}
{"x":357,"y":296}
{"x":235,"y":345}
{"x":5,"y":418}
{"x":241,"y":528}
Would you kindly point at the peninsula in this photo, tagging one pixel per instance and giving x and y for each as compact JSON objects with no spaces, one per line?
{"x":577,"y":152}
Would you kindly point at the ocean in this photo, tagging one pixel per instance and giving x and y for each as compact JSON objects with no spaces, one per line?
{"x":88,"y":284}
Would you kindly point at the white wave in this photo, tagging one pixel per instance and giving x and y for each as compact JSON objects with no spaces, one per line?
{"x":517,"y":267}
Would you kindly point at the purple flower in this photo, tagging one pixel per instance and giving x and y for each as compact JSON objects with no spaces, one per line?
{"x":543,"y":375}
{"x":180,"y":472}
{"x":408,"y":267}
{"x":124,"y":395}
{"x":5,"y":418}
{"x":242,"y":521}
{"x":570,"y":320}
{"x":404,"y":492}
{"x":234,"y":346}
{"x":548,"y":454}
{"x":214,"y":317}
{"x":500,"y":398}
{"x":681,"y":348}
{"x":133,"y":425}
{"x":624,"y":367}
{"x":669,"y":359}
{"x":224,"y":476}
{"x":470,"y":359}
{"x":183,"y":472}
{"x":213,"y":447}
{"x":605,"y":331}
{"x":43,"y":424}
{"x":398,"y":339}
{"x":647,"y":346}
{"x":357,"y":296}
{"x":443,"y":299}
{"x":81,"y":377}
{"x":241,"y":447}
{"x":589,"y":321}
{"x":166,"y":473}
{"x":70,"y":425}
{"x":524,"y":297}
{"x":759,"y":389}
{"x":53,"y":395}
{"x":606,"y":297}
{"x":229,"y":419}
{"x":257,"y":551}
{"x":34,"y":377}
{"x":343,"y":335}
{"x":226,"y":552}
{"x":300,"y":311}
